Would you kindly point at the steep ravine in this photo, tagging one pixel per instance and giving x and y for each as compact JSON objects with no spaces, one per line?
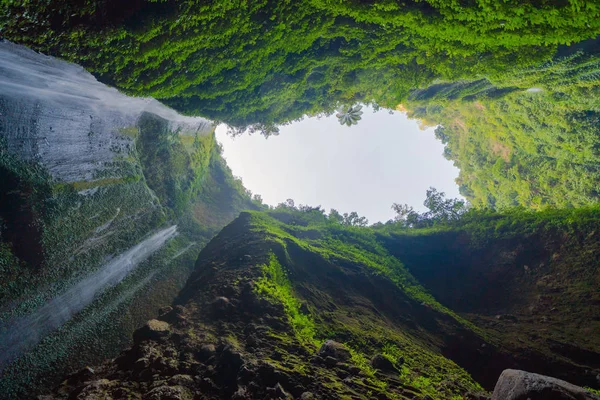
{"x":276,"y":310}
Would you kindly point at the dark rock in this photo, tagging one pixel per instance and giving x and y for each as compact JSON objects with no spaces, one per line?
{"x":507,"y":317}
{"x":330,"y":361}
{"x":231,"y":358}
{"x":141,"y":364}
{"x":382,"y":363}
{"x":334,"y":349}
{"x":278,"y":392}
{"x":169,"y":393}
{"x":206,"y":384}
{"x":181,"y":380}
{"x":206,"y":352}
{"x":520,"y":385}
{"x":153,"y":330}
{"x":250,"y":328}
{"x":342,"y":374}
{"x":220,"y":303}
{"x":240,"y":394}
{"x":246,"y":374}
{"x":354,"y":370}
{"x":304,"y":308}
{"x":476,"y":396}
{"x":251,"y":341}
{"x":164,"y":310}
{"x":84,"y":375}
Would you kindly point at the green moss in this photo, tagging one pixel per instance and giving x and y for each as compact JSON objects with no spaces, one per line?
{"x":275,"y":285}
{"x":354,"y":245}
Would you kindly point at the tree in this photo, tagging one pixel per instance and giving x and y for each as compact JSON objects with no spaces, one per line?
{"x":335,"y":216}
{"x":441,"y":210}
{"x":353,"y":219}
{"x":349,"y":115}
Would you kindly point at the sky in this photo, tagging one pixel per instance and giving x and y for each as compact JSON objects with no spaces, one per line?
{"x":385,"y":159}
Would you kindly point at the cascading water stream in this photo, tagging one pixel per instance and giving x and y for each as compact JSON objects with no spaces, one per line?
{"x":22,"y":333}
{"x":57,"y":113}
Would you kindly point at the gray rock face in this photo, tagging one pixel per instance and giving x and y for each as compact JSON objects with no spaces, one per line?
{"x":520,"y":385}
{"x":56,"y":113}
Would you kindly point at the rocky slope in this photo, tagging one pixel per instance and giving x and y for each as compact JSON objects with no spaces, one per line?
{"x":282,"y":307}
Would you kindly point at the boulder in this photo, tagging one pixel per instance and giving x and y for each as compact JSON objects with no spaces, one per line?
{"x":520,"y":385}
{"x":153,"y":330}
{"x":206,"y":351}
{"x":335,"y":350}
{"x":382,"y":363}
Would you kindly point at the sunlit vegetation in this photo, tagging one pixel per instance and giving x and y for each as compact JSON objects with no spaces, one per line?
{"x":276,"y":286}
{"x":531,"y":147}
{"x":266,"y":63}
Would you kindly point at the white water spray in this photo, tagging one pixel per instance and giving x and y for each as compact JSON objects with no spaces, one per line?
{"x":58,"y":114}
{"x":22,"y":333}
{"x":25,"y":73}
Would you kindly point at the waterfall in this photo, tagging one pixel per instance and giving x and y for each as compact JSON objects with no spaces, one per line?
{"x":57,"y":113}
{"x":25,"y":332}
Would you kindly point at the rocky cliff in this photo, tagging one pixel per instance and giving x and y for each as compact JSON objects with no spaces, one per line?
{"x":282,"y":305}
{"x":105,"y":201}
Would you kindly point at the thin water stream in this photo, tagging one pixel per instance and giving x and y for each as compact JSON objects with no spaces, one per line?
{"x":20,"y":334}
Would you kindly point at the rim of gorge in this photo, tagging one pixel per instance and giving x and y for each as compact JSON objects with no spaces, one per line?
{"x":135,"y":265}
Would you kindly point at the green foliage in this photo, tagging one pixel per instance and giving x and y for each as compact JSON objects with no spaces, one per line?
{"x":265,"y":63}
{"x":275,"y":285}
{"x":349,"y":115}
{"x":517,"y":147}
{"x":335,"y":242}
{"x":175,"y":165}
{"x":354,"y":248}
{"x":441,"y":211}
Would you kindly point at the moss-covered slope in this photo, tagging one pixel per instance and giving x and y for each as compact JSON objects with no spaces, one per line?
{"x":273,"y":290}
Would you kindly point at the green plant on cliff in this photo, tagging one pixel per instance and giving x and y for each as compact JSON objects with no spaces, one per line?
{"x":275,"y":285}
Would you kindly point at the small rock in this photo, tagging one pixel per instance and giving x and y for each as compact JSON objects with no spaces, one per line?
{"x":307,"y":396}
{"x":516,"y":385}
{"x":84,"y":375}
{"x":240,"y":394}
{"x":206,"y":352}
{"x":278,"y":392}
{"x":354,"y":370}
{"x":507,"y":317}
{"x":251,"y":341}
{"x":141,"y":363}
{"x":165,"y":310}
{"x":304,"y":308}
{"x":181,"y":380}
{"x":220,"y":303}
{"x":169,"y":393}
{"x":382,"y":363}
{"x":334,"y":349}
